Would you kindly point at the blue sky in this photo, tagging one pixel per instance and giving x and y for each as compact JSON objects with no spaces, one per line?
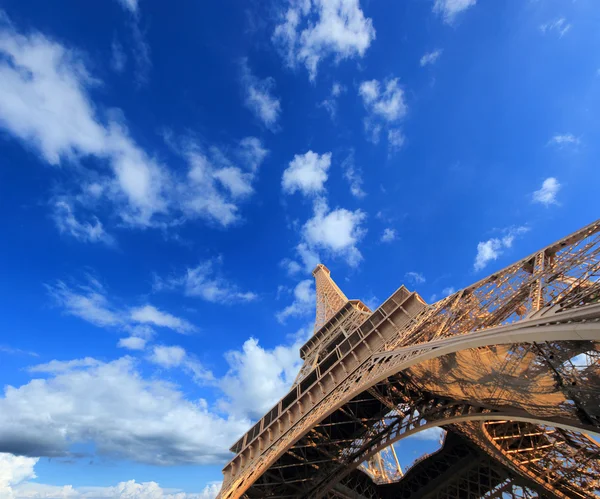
{"x":170,"y":174}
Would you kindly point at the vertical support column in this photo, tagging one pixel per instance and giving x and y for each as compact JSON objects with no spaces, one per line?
{"x":537,"y":291}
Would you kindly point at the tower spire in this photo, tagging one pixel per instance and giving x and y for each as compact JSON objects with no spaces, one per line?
{"x":329,"y":296}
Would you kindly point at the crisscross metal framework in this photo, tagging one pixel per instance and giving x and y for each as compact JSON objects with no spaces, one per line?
{"x":510,"y":365}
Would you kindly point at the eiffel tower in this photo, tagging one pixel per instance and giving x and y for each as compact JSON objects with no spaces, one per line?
{"x":509,"y":367}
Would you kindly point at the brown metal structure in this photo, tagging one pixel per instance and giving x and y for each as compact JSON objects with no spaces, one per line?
{"x":509,"y":366}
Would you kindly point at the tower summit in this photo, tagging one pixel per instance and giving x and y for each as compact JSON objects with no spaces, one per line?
{"x":330,"y":297}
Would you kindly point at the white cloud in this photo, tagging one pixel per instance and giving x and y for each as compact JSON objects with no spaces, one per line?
{"x":560,"y":26}
{"x":45,"y":103}
{"x":449,"y":9}
{"x":146,"y":420}
{"x":384,"y":107}
{"x":430,"y":57}
{"x":330,"y":103}
{"x":415,"y":277}
{"x":565,"y":139}
{"x":492,"y":248}
{"x":148,"y":314}
{"x":132,"y":343}
{"x":353,"y":175}
{"x":307,"y":173}
{"x":259,"y":98}
{"x":291,"y":267}
{"x":89,"y":232}
{"x":309,"y":257}
{"x":168,"y":356}
{"x":17,"y":473}
{"x":396,"y":139}
{"x":312,"y":30}
{"x":90,"y":303}
{"x":205,"y":281}
{"x":387,"y":104}
{"x":448,"y":291}
{"x":546,"y":195}
{"x":303,"y":304}
{"x":215,"y":184}
{"x":252,"y":153}
{"x":259,"y":377}
{"x":118,"y":59}
{"x":337,"y":231}
{"x":388,"y":235}
{"x":130,"y":5}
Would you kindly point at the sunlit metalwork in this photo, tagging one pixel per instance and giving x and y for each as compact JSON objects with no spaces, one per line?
{"x":510,"y":366}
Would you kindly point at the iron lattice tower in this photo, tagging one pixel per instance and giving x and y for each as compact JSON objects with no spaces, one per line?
{"x":509,"y":366}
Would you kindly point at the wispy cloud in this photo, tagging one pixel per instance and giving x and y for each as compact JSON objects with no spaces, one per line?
{"x":330,"y":104}
{"x":449,"y":9}
{"x":85,"y":231}
{"x":353,"y":175}
{"x":564,"y":139}
{"x":430,"y":57}
{"x":415,"y":277}
{"x":559,"y":26}
{"x":205,"y":281}
{"x":259,"y":97}
{"x":90,"y":302}
{"x":118,"y":58}
{"x":303,"y":304}
{"x":385,"y":106}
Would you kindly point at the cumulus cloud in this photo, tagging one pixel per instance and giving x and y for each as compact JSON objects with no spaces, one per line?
{"x":430,"y":57}
{"x":132,"y":343}
{"x":206,"y":282}
{"x":146,"y":420}
{"x":306,"y":173}
{"x":449,"y":9}
{"x":492,"y":248}
{"x":259,"y":377}
{"x":385,"y":105}
{"x":303,"y":304}
{"x":336,"y":232}
{"x":559,"y":26}
{"x":17,"y":474}
{"x":546,"y":194}
{"x":45,"y":103}
{"x":312,"y":30}
{"x":259,"y":98}
{"x":388,"y":235}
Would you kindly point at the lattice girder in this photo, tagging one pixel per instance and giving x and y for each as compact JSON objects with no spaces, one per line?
{"x":546,"y":306}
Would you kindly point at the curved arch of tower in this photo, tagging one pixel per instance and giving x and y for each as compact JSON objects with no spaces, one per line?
{"x":509,"y":366}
